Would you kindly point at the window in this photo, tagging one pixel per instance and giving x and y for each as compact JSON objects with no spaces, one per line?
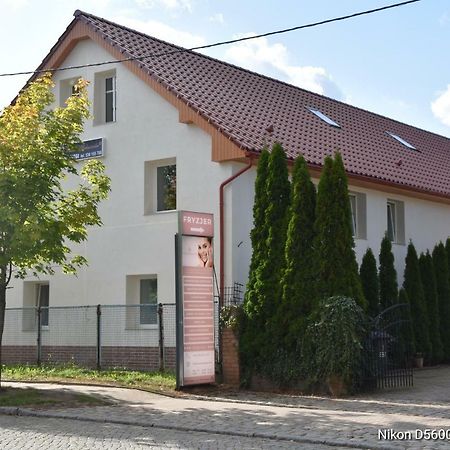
{"x":395,"y":214}
{"x":160,"y":186}
{"x":42,"y":301}
{"x":167,"y":187}
{"x":148,"y":299}
{"x":110,"y":99}
{"x":105,"y":97}
{"x":323,"y":117}
{"x":66,"y":89}
{"x":358,"y":214}
{"x":401,"y":140}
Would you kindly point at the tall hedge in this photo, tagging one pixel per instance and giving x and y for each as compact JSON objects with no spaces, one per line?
{"x":337,"y":269}
{"x":413,"y":286}
{"x":369,"y":280}
{"x":406,"y":327}
{"x":299,"y":276}
{"x":441,"y":271}
{"x":257,"y":338}
{"x":431,"y":300}
{"x":387,"y":275}
{"x":258,"y":235}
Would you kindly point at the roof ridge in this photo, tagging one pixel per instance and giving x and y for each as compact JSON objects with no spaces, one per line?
{"x":78,"y":13}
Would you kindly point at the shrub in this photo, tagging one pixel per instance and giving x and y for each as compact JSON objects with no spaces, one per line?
{"x":334,"y":340}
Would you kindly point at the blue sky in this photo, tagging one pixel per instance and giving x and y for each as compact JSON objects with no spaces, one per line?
{"x":395,"y":63}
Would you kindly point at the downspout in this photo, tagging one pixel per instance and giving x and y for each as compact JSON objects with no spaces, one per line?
{"x":222,"y":225}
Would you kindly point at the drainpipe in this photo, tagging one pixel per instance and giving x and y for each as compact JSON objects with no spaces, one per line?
{"x":222,"y":224}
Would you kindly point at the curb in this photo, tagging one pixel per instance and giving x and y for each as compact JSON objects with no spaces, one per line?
{"x":13,"y":411}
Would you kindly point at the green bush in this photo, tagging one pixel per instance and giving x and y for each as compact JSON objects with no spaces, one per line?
{"x":334,"y":341}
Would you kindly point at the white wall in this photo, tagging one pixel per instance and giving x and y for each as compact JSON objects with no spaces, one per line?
{"x":426,"y":223}
{"x":130,"y":242}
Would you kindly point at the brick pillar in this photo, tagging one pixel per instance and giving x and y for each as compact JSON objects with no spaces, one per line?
{"x":230,"y":357}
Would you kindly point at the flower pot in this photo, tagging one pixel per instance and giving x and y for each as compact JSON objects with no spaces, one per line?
{"x":336,"y":385}
{"x":418,"y":362}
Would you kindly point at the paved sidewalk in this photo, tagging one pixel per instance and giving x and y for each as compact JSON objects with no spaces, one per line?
{"x":347,"y":423}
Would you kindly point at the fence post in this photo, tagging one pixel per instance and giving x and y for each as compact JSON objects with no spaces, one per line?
{"x":161,"y":338}
{"x":99,"y":342}
{"x":39,"y":336}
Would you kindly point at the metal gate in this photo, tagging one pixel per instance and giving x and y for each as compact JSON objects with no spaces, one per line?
{"x":387,"y":358}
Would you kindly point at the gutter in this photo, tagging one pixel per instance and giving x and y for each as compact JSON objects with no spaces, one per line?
{"x":222,"y":224}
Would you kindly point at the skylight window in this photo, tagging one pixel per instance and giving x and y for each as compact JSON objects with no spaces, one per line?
{"x":402,"y":141}
{"x":323,"y":117}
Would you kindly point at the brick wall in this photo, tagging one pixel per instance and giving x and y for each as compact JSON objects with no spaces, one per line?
{"x":230,"y":357}
{"x":132,"y":358}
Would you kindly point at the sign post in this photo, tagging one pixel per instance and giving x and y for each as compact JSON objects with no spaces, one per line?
{"x":195,"y":302}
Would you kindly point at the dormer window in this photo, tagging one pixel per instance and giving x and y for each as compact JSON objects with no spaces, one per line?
{"x":402,"y":141}
{"x":323,"y":117}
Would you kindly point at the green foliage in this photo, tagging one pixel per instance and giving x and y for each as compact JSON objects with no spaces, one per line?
{"x":431,"y":300}
{"x":387,"y":275}
{"x":299,"y":276}
{"x":38,"y":216}
{"x":258,"y":234}
{"x":370,"y":283}
{"x":414,"y":288}
{"x":441,"y":271}
{"x":337,"y":269}
{"x":406,"y":329}
{"x":333,"y":345}
{"x":263,"y":302}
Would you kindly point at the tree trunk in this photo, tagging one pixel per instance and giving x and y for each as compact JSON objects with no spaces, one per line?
{"x":4,"y":279}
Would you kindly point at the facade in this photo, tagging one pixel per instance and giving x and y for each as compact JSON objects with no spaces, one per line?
{"x":175,"y":127}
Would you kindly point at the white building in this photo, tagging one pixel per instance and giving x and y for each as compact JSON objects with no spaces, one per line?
{"x":176,"y":125}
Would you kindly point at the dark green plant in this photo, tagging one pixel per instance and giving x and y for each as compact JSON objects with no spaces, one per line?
{"x":387,"y":275}
{"x":299,"y":276}
{"x":414,"y":288}
{"x":441,"y":271}
{"x":337,"y":269}
{"x":370,"y":283}
{"x":259,"y":332}
{"x":334,"y":340}
{"x":258,"y":234}
{"x":406,"y":329}
{"x":431,"y":299}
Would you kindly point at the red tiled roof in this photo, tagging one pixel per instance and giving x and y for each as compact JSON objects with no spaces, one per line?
{"x":242,"y":104}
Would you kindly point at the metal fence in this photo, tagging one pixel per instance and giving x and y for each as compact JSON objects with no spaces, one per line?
{"x":137,"y":337}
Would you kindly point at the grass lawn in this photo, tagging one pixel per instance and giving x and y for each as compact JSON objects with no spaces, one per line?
{"x":151,"y":381}
{"x":41,"y":398}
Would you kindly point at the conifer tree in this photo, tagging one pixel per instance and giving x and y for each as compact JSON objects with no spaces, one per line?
{"x":431,"y":299}
{"x":406,"y":328}
{"x":443,"y":290}
{"x":414,"y":289}
{"x":251,"y":322}
{"x":298,"y":279}
{"x":447,"y":251}
{"x":370,"y":283}
{"x":337,"y":269}
{"x":258,"y":235}
{"x":387,"y":275}
{"x":270,"y":271}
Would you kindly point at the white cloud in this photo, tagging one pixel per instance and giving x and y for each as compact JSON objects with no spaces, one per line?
{"x":441,"y":107}
{"x":171,"y":5}
{"x":217,"y":18}
{"x":273,"y":60}
{"x":162,"y":31}
{"x":444,"y":19}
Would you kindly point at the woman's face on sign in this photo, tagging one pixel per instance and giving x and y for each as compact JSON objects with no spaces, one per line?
{"x":203,"y":249}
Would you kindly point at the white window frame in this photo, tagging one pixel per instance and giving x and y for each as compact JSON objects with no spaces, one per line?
{"x":39,"y":287}
{"x":112,"y":91}
{"x":395,"y":212}
{"x":391,"y":220}
{"x":358,"y":210}
{"x":354,"y":214}
{"x":151,"y":186}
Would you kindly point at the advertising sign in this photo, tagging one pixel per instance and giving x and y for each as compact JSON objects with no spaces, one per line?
{"x":89,"y":149}
{"x":195,"y":301}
